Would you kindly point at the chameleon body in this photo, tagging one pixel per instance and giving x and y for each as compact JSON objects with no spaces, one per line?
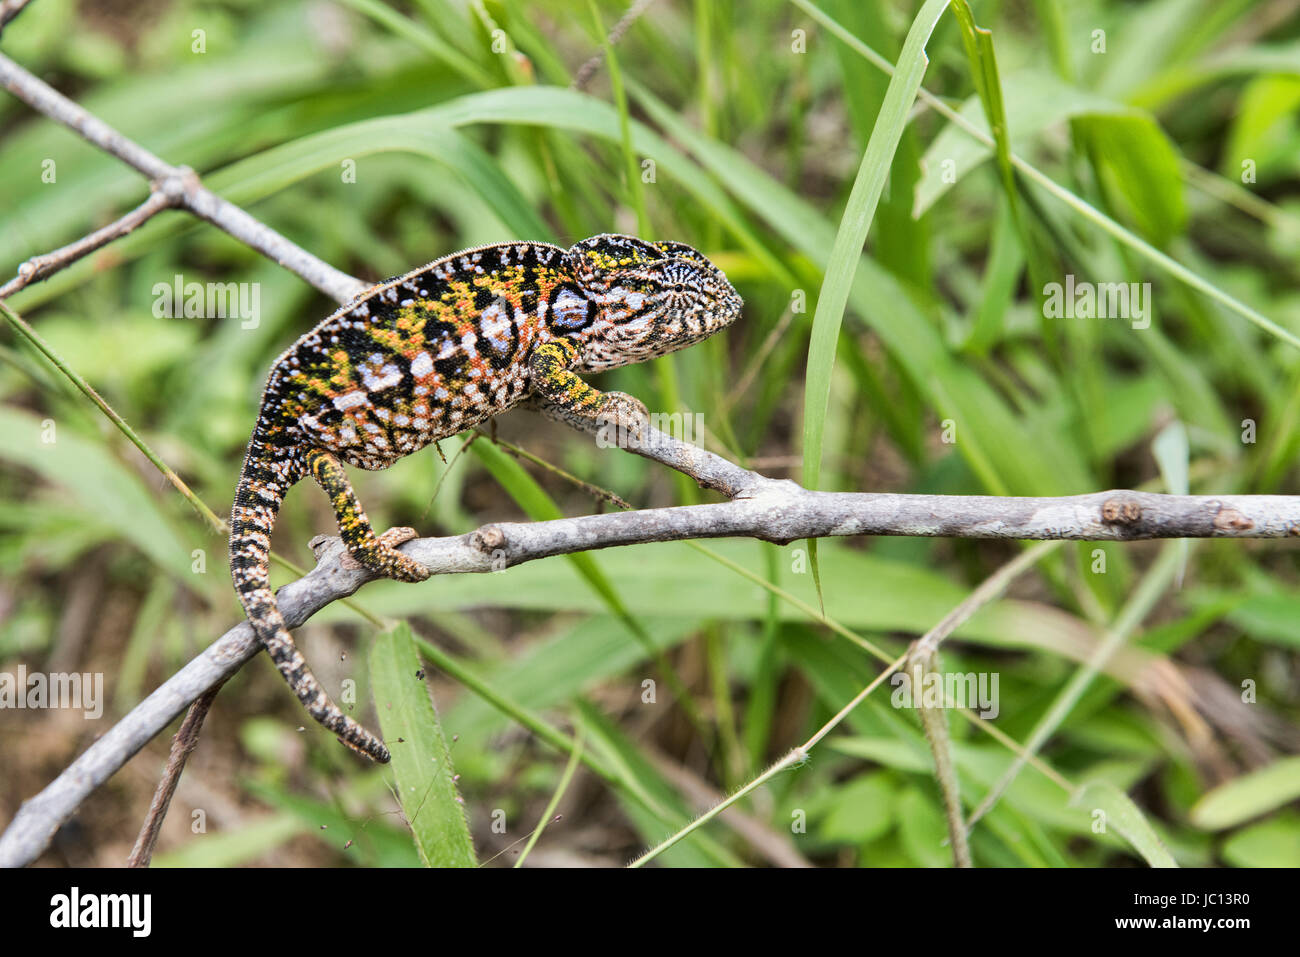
{"x":432,"y":353}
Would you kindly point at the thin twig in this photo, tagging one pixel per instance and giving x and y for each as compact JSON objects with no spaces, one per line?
{"x":793,"y":758}
{"x":989,"y":589}
{"x":588,"y":69}
{"x":10,"y":9}
{"x":180,"y":180}
{"x":934,"y":721}
{"x":757,"y":363}
{"x":183,"y":744}
{"x":924,"y":658}
{"x":595,"y":491}
{"x":166,"y":195}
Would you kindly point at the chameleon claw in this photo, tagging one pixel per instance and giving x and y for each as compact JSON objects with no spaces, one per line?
{"x":398,"y":535}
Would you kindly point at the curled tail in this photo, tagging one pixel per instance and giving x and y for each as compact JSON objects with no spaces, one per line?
{"x":263,"y":483}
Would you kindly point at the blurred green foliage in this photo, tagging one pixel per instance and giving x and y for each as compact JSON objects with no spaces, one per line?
{"x":746,"y":124}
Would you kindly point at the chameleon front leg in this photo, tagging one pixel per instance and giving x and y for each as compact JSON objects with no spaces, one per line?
{"x":553,"y":379}
{"x":376,"y":552}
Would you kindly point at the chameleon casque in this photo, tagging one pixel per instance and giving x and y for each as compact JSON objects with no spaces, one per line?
{"x":434,"y":352}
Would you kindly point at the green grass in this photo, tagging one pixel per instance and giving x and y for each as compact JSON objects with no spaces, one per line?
{"x":891,"y":231}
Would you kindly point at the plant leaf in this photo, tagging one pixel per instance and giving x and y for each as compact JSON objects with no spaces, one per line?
{"x":421,"y":760}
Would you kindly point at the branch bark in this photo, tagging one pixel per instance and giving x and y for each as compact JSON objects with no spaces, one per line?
{"x":183,"y":745}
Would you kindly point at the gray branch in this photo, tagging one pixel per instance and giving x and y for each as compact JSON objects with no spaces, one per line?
{"x":165,"y":196}
{"x":10,"y":9}
{"x":172,"y":186}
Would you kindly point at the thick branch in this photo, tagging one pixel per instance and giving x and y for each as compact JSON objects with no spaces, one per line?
{"x":182,"y":187}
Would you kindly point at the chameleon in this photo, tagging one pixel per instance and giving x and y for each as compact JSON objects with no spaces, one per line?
{"x":434,"y":352}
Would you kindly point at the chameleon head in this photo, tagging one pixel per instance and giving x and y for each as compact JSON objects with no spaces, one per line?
{"x":642,"y":300}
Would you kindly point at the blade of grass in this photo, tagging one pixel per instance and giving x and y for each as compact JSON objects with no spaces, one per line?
{"x":1075,"y":203}
{"x":793,"y":758}
{"x":1144,"y":598}
{"x":847,"y":248}
{"x":563,"y":786}
{"x":423,"y":38}
{"x":1259,"y":792}
{"x":421,"y":760}
{"x":32,"y":336}
{"x":631,"y":176}
{"x":1122,"y":814}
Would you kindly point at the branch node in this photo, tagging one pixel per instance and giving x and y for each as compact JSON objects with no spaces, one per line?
{"x":488,"y":539}
{"x":1121,"y":511}
{"x":176,"y":185}
{"x":1228,"y":519}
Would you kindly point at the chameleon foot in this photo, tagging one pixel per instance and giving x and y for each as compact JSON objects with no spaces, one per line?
{"x":625,"y":413}
{"x":388,"y":561}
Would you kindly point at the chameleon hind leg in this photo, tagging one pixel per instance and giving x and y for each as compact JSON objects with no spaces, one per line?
{"x":376,"y":552}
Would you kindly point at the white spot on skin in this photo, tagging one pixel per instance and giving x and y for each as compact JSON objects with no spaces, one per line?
{"x":421,"y":365}
{"x":387,"y":377}
{"x":350,"y":400}
{"x":467,"y":343}
{"x":570,"y":308}
{"x":494,"y":324}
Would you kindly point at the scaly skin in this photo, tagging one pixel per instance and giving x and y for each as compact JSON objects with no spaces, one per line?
{"x":435,"y":352}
